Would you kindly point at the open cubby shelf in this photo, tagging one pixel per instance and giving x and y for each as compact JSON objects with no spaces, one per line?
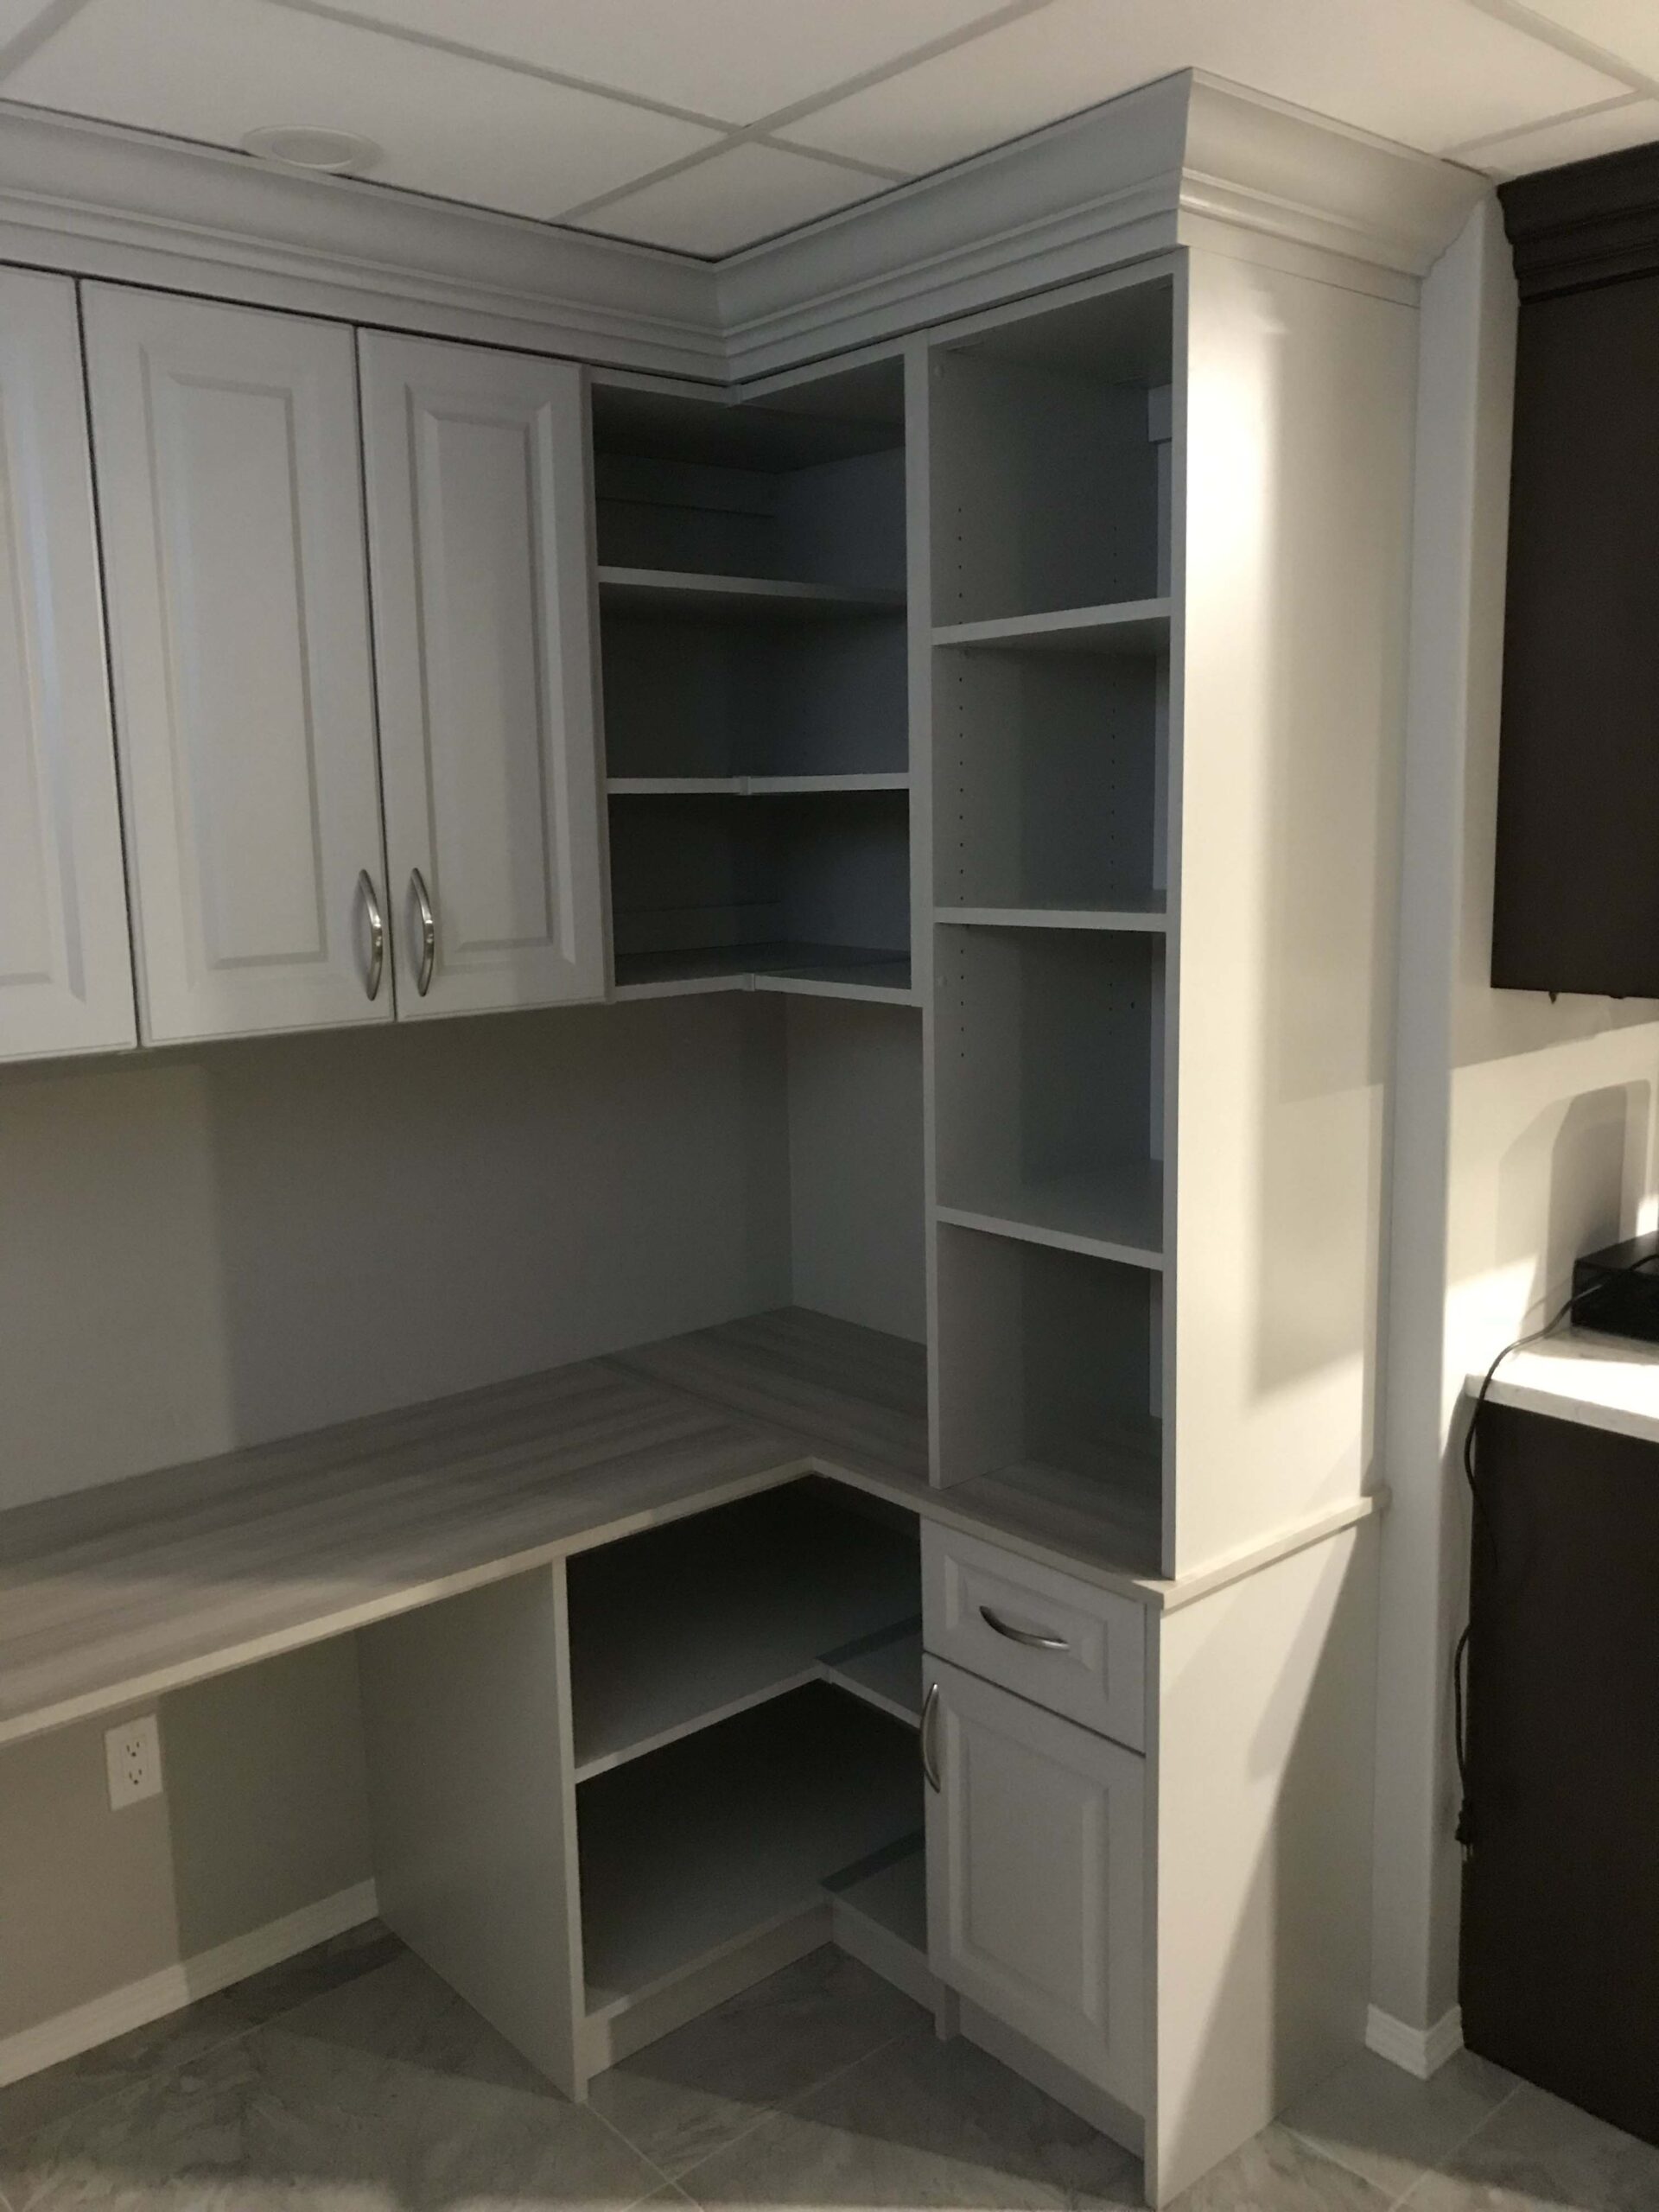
{"x":698,"y":1848}
{"x":1050,"y":1105}
{"x":1049,"y":781}
{"x":1049,"y":1361}
{"x":679,"y":1627}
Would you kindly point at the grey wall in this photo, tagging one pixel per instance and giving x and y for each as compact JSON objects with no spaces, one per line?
{"x":265,"y":1812}
{"x":855,"y":1163}
{"x":203,"y":1249}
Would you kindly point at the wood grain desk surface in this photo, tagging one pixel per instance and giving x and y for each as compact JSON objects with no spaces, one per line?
{"x":123,"y":1591}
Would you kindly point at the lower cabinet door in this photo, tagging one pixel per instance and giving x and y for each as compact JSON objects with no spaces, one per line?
{"x":1034,"y":1854}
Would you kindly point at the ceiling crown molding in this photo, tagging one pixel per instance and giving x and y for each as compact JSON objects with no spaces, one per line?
{"x":1186,"y":161}
{"x":103,"y":201}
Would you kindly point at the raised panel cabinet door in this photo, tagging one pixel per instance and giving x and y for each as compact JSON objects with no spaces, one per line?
{"x":229,"y":480}
{"x":477,"y":540}
{"x":66,"y":974}
{"x":1035,"y":1847}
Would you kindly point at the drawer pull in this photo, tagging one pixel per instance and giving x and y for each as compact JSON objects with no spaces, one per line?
{"x":1028,"y":1636}
{"x":925,"y":1735}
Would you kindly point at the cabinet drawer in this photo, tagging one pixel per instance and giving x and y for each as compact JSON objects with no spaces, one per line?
{"x":1063,"y":1644}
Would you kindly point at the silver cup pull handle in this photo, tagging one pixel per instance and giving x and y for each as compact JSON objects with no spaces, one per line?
{"x":429,"y":931}
{"x":925,"y":1735}
{"x":1028,"y":1636}
{"x":377,"y":922}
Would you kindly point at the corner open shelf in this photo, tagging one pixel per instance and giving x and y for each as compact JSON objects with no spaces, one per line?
{"x":705,"y":1845}
{"x":679,"y":1628}
{"x":806,"y":970}
{"x":752,"y":603}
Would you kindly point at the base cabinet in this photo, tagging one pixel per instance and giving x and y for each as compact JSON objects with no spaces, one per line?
{"x":1035,"y":1838}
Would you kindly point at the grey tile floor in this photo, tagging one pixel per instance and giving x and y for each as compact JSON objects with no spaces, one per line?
{"x":352,"y":2081}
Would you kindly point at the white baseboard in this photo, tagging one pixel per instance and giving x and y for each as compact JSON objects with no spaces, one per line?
{"x":138,"y":2003}
{"x":1420,"y":2051}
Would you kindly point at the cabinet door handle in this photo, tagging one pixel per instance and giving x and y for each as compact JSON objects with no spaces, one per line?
{"x":376,"y":933}
{"x":925,"y":1735}
{"x":429,"y":931}
{"x":1028,"y":1636}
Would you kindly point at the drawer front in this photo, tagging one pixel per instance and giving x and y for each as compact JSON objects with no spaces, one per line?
{"x":1076,"y":1650}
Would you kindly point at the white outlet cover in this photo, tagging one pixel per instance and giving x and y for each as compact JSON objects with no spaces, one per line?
{"x":132,"y":1753}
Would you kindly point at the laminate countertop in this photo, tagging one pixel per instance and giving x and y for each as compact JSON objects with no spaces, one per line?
{"x":1609,"y":1383}
{"x":133,"y":1588}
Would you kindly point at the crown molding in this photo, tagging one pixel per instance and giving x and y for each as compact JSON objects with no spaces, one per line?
{"x":1587,"y":223}
{"x":102,"y":201}
{"x":1186,"y":161}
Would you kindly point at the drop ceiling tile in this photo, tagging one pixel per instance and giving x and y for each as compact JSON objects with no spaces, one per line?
{"x":216,"y":69}
{"x":1573,"y":138}
{"x":732,"y":201}
{"x":1627,"y":30}
{"x":1427,"y":72}
{"x":737,"y":59}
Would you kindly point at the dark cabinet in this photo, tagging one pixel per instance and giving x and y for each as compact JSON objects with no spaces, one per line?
{"x":1559,"y":1978}
{"x":1576,"y":893}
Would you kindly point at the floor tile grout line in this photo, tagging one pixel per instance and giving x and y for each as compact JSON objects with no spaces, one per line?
{"x":150,"y":2069}
{"x":789,"y":2104}
{"x":664,"y":2180}
{"x":1439,"y":2169}
{"x":1332,"y":2157}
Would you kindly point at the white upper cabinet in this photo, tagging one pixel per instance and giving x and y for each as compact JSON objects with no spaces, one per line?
{"x":66,"y":977}
{"x":478,"y":527}
{"x":227,"y":454}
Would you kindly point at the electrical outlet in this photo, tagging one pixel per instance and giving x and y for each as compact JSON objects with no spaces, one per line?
{"x":133,"y":1754}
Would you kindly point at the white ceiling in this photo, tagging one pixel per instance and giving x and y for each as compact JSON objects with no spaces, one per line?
{"x":706,"y":125}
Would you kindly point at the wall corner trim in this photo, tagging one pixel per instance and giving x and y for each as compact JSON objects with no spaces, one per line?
{"x":136,"y":2004}
{"x":1418,"y":2052}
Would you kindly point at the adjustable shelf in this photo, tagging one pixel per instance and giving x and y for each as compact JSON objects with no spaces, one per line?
{"x":1050,"y":1376}
{"x":884,"y":1670}
{"x":700,"y":1848}
{"x":1147,"y":912}
{"x":753,"y":787}
{"x":679,"y":1628}
{"x":808,"y":970}
{"x":1132,"y":627}
{"x":687,"y":593}
{"x":1113,"y":1210}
